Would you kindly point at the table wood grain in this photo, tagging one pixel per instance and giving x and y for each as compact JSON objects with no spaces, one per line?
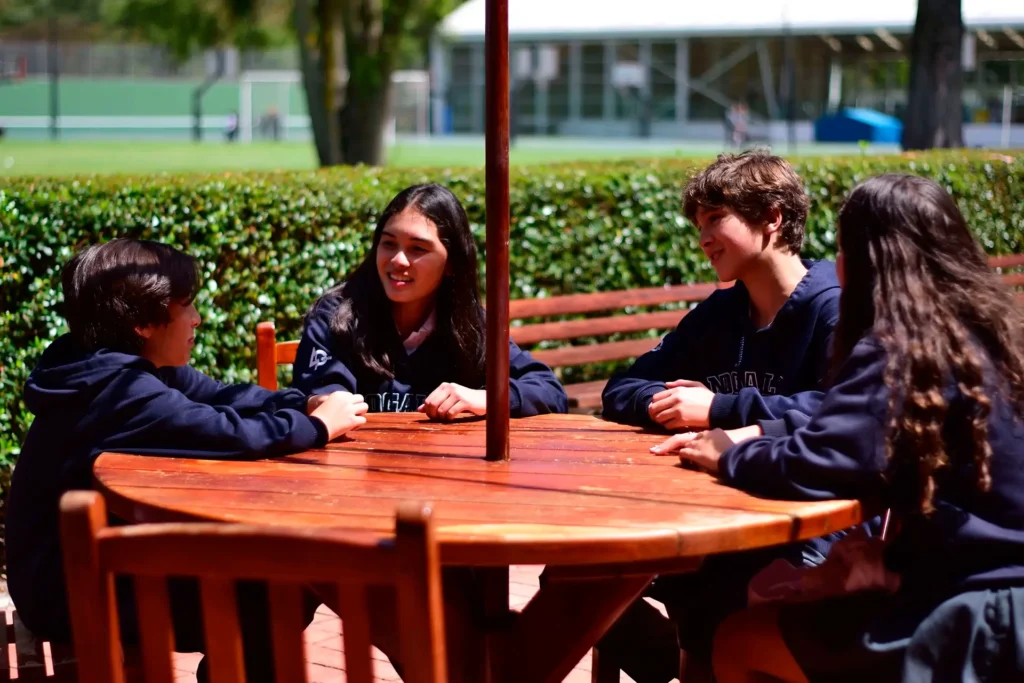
{"x":578,"y":490}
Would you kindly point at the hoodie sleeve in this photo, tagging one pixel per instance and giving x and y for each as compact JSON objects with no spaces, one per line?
{"x":246,"y":399}
{"x":839,"y":452}
{"x":748,"y":406}
{"x":160,"y":420}
{"x":320,"y":365}
{"x":628,"y":394}
{"x":533,"y":387}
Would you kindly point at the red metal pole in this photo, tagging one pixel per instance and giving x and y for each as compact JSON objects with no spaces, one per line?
{"x":497,"y":210}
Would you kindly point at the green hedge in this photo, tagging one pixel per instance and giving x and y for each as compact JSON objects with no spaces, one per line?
{"x":271,"y":243}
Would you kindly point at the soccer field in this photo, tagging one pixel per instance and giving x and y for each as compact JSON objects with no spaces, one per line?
{"x":19,"y":158}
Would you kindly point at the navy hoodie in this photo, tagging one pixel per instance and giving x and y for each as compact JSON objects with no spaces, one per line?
{"x":86,"y":403}
{"x":323,"y":364}
{"x":973,"y":540}
{"x":755,"y":373}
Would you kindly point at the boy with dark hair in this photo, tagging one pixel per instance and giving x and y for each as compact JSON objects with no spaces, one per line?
{"x":120,"y":381}
{"x":747,"y":353}
{"x":756,"y":349}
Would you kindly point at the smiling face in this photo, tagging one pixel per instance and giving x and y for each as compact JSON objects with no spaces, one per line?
{"x":171,"y":344}
{"x":411,"y":259}
{"x":730,"y":242}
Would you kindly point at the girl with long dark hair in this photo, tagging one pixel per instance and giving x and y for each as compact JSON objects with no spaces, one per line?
{"x":925,"y":416}
{"x":406,"y":328}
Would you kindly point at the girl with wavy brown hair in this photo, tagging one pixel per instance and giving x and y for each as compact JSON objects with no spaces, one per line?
{"x":925,"y":416}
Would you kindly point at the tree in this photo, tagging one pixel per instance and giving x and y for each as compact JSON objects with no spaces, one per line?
{"x":364,"y":40}
{"x":348,"y":50}
{"x":28,"y":19}
{"x":185,"y":27}
{"x":934,"y":115}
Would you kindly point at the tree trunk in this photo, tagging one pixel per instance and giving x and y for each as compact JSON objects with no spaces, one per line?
{"x":365,"y":46}
{"x":934,"y":115}
{"x":312,"y":80}
{"x":328,"y":14}
{"x":364,"y":118}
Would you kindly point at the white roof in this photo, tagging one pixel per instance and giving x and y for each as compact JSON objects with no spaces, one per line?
{"x":534,"y":19}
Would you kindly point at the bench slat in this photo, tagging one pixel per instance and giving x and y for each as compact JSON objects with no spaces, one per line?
{"x":585,"y":395}
{"x":1013,"y":279}
{"x":595,"y":353}
{"x":596,"y":327}
{"x":606,"y":301}
{"x":1008,"y":261}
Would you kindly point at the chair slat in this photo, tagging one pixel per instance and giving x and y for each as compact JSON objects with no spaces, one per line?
{"x":92,"y":603}
{"x":420,"y":603}
{"x":231,"y":550}
{"x":266,"y":358}
{"x":156,"y":631}
{"x":222,"y":631}
{"x":286,"y":630}
{"x":355,"y":630}
{"x":286,"y":352}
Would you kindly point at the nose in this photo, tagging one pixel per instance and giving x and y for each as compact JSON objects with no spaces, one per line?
{"x":705,"y":240}
{"x":196,"y":318}
{"x":399,"y":260}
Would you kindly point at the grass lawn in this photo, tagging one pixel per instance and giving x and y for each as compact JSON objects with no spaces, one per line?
{"x":19,"y":158}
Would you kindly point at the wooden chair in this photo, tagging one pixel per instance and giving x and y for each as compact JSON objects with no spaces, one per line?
{"x":220,"y":554}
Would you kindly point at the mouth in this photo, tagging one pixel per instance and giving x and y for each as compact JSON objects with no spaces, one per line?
{"x":191,"y":341}
{"x":715,"y":256}
{"x":399,"y":280}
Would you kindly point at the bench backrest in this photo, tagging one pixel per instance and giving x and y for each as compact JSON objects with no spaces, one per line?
{"x":270,"y":353}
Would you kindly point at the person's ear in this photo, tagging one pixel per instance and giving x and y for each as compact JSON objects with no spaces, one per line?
{"x":144,"y":332}
{"x":774,"y":221}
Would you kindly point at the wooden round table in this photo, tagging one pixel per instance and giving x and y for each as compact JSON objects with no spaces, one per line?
{"x":580,"y":494}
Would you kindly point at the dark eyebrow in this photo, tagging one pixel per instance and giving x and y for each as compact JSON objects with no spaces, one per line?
{"x":386,"y":233}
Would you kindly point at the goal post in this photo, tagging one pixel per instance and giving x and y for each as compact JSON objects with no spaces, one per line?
{"x":274,"y":101}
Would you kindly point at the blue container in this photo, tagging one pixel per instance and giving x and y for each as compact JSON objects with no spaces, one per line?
{"x":854,"y":125}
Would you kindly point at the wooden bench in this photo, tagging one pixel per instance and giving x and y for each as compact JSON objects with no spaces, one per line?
{"x":583,"y":396}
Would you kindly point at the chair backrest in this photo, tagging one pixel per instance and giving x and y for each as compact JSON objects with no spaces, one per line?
{"x":270,"y":353}
{"x":220,"y":554}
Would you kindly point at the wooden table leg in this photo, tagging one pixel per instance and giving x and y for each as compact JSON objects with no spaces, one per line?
{"x":487,"y":643}
{"x":476,"y":614}
{"x":574,"y":608}
{"x":562,"y":622}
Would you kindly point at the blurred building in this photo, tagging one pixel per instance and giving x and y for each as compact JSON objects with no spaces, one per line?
{"x":675,"y":68}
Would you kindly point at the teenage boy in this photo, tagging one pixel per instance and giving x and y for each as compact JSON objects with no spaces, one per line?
{"x":754,"y":350}
{"x":747,"y":353}
{"x":120,"y":381}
